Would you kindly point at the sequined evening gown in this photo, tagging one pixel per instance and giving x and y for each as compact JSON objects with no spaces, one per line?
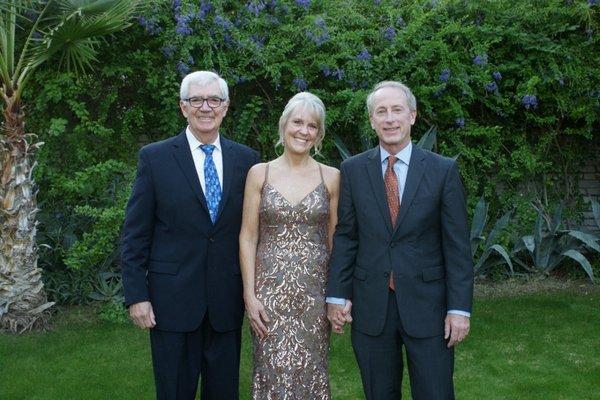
{"x":291,"y":273}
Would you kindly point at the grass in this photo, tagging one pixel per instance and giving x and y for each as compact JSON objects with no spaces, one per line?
{"x":534,"y":345}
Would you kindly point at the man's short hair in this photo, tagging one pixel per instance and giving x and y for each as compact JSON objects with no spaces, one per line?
{"x":202,"y":78}
{"x":410,"y":97}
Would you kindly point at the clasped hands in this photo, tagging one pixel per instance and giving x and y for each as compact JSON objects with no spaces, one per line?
{"x":339,"y":315}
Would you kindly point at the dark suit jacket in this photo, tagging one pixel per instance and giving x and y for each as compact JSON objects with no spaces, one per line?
{"x":172,"y":255}
{"x":429,"y":250}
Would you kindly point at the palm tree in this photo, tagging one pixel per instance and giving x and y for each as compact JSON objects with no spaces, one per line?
{"x":32,"y":32}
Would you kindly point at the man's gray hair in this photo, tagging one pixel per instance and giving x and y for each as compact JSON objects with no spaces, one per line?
{"x":410,"y":97}
{"x":202,"y":78}
{"x":314,"y":106}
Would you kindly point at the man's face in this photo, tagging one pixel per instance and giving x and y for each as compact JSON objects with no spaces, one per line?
{"x":205,"y":121}
{"x":392,"y":119}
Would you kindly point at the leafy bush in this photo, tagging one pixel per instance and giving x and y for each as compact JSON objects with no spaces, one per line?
{"x":511,"y":86}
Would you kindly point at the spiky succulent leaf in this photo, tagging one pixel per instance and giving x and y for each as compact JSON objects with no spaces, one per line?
{"x":589,"y":240}
{"x":478,"y":223}
{"x":428,"y":139}
{"x":596,"y":212}
{"x":582,"y":261}
{"x":341,"y":146}
{"x":556,"y":219}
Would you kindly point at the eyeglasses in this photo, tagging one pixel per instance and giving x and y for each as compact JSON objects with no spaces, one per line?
{"x":198,"y":102}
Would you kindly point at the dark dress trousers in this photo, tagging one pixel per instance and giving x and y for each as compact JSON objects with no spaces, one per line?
{"x":429,"y":254}
{"x":188,"y":268}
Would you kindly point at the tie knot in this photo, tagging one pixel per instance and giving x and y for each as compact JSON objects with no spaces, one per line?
{"x":208,"y":149}
{"x":392,"y":160}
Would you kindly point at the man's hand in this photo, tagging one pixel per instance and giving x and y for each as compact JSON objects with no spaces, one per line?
{"x":142,"y":314}
{"x":456,"y":328}
{"x":339,"y":315}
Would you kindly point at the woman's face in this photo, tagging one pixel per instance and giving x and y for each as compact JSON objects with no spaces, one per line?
{"x":301,"y":131}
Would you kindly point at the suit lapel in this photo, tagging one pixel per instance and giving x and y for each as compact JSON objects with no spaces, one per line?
{"x":416,"y":168}
{"x":229,"y":163}
{"x":373,"y":167}
{"x":183,"y":156}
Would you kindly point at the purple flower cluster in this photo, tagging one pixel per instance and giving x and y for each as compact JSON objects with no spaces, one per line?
{"x":529,"y":101}
{"x":223,"y":22}
{"x":497,"y":75}
{"x":389,"y":33}
{"x":259,"y":41}
{"x":338,"y":74}
{"x":255,"y":7}
{"x":363,"y":55}
{"x":303,"y":3}
{"x":300,"y":83}
{"x":168,"y":50}
{"x":480,"y":59}
{"x":377,"y":2}
{"x":400,"y":22}
{"x":491,"y":87}
{"x":31,"y":14}
{"x":183,"y":24}
{"x":205,"y":8}
{"x":176,"y":6}
{"x":323,"y":36}
{"x":183,"y":68}
{"x":460,"y":122}
{"x":592,"y":2}
{"x":445,"y":75}
{"x":150,"y":25}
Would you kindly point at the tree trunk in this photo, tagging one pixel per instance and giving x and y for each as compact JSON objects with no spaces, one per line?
{"x":23,"y":302}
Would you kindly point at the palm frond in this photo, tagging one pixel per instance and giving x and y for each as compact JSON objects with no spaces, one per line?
{"x":75,"y":37}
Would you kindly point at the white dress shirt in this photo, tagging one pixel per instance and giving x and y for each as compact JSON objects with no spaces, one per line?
{"x":401,"y":170}
{"x":199,"y":156}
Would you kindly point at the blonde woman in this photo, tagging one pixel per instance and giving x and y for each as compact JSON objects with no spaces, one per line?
{"x":289,"y":217}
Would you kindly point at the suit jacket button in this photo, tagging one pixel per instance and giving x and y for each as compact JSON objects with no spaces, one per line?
{"x":392,"y":245}
{"x":211,"y":239}
{"x":386,"y":274}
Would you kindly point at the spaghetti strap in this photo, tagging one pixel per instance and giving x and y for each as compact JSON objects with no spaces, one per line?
{"x":267,"y":172}
{"x":266,"y":176}
{"x":321,"y":173}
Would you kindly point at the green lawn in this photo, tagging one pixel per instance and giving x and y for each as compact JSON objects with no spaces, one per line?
{"x":530,"y":346}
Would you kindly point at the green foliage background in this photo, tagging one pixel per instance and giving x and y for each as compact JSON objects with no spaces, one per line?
{"x":447,"y":51}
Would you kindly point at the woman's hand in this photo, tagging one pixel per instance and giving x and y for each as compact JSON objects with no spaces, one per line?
{"x":257,"y":316}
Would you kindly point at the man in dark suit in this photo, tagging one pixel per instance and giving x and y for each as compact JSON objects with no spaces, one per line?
{"x":401,"y":253}
{"x":180,"y":262}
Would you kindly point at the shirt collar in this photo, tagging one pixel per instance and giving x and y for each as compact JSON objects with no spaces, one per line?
{"x":195,"y":143}
{"x":403,"y":155}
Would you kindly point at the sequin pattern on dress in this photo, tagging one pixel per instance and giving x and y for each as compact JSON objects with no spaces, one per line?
{"x":291,"y":272}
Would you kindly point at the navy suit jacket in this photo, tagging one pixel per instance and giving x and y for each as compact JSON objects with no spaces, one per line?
{"x":428,"y":251}
{"x":172,"y":255}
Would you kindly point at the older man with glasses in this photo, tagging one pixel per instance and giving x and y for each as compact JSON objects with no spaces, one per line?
{"x":181,"y":271}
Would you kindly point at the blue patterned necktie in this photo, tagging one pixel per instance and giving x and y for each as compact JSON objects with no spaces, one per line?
{"x":212,"y":186}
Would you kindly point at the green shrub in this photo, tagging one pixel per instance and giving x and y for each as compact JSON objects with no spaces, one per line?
{"x":512,"y":88}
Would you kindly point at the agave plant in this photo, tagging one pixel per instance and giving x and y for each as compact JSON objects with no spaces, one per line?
{"x":490,"y":247}
{"x":32,"y":32}
{"x":549,"y":245}
{"x":596,"y":212}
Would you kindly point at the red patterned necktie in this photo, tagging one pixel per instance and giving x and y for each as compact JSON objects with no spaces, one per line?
{"x":393,"y":199}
